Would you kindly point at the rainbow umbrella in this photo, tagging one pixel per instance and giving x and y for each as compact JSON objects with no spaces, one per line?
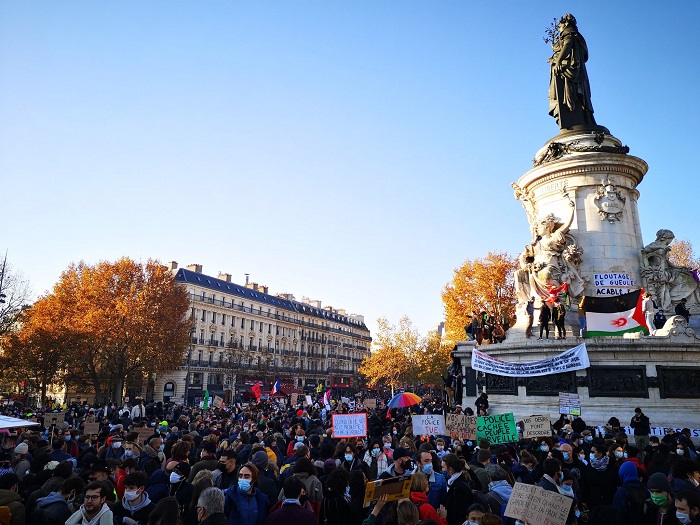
{"x":405,"y":399}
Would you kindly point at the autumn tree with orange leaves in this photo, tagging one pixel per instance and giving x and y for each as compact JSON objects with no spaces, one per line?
{"x":682,"y":254}
{"x":392,"y":358}
{"x":107,"y":322}
{"x":484,"y":284}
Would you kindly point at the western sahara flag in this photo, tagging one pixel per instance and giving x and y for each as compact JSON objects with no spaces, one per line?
{"x":615,"y":316}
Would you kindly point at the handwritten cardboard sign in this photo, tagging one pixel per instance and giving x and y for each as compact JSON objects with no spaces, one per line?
{"x":51,"y":418}
{"x":395,"y":489}
{"x":370,"y":403}
{"x":428,"y":425}
{"x":307,"y":401}
{"x":144,"y":434}
{"x":350,"y":425}
{"x":460,"y":426}
{"x":498,"y":428}
{"x":537,"y":426}
{"x":217,"y":402}
{"x":90,"y":429}
{"x":533,"y":504}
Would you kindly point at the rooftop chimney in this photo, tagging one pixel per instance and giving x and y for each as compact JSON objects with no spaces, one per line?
{"x":225,"y":277}
{"x":172,"y":265}
{"x":195,"y":268}
{"x":246,"y":278}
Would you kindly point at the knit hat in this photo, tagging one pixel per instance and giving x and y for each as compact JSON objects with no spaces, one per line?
{"x":260,"y":460}
{"x":401,"y":452}
{"x":329,"y":466}
{"x":183,"y":468}
{"x":658,"y":481}
{"x":22,"y":448}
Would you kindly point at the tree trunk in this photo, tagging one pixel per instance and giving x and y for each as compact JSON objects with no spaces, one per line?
{"x":118,"y":391}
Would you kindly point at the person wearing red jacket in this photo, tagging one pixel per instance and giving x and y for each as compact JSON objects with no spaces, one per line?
{"x":419,"y":496}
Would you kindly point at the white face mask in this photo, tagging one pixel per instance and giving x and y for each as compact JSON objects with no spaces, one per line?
{"x":175,"y":477}
{"x":131,"y":495}
{"x":116,"y":444}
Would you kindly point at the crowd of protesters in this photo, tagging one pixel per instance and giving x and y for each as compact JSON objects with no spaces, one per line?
{"x":276,"y":464}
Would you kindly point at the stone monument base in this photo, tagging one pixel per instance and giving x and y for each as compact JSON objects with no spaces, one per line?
{"x":660,"y":374}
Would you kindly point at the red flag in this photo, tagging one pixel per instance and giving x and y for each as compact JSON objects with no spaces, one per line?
{"x":256,"y":390}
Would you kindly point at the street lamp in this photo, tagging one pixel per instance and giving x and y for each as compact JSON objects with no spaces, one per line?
{"x":189,"y":358}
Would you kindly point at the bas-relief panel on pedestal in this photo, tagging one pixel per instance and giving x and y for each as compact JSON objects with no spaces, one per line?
{"x":680,"y":382}
{"x":617,"y":381}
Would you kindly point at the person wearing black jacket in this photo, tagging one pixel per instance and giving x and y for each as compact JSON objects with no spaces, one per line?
{"x":642,"y":428}
{"x":459,"y":494}
{"x":545,"y":316}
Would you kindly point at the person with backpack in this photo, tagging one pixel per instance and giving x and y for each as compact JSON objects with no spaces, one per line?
{"x":419,"y":496}
{"x":499,"y":491}
{"x":631,"y":494}
{"x":10,"y":499}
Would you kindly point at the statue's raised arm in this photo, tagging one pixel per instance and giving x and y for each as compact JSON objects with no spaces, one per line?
{"x":569,"y":90}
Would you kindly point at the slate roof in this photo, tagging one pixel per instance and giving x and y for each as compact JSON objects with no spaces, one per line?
{"x":186,"y":276}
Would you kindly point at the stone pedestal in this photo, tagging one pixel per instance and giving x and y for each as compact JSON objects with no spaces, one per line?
{"x":661,"y":374}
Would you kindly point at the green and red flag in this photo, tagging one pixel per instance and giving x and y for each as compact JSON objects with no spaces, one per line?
{"x":615,"y":316}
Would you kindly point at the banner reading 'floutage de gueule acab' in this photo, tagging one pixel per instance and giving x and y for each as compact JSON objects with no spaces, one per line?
{"x":573,"y":359}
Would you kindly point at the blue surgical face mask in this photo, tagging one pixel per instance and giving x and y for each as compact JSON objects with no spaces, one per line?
{"x":561,"y":476}
{"x":544,"y":448}
{"x":300,"y":439}
{"x":128,"y":453}
{"x":67,"y":438}
{"x":387,"y":445}
{"x":347,"y":490}
{"x":348,"y":457}
{"x":618,"y":454}
{"x":161,"y":448}
{"x":589,"y":438}
{"x":427,"y":469}
{"x":565,"y":455}
{"x":244,"y":484}
{"x":375,"y":451}
{"x":469,"y":443}
{"x":591,"y":456}
{"x":577,"y":513}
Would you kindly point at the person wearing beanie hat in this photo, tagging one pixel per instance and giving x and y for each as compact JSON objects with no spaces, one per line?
{"x":663,"y":506}
{"x":401,"y":465}
{"x":266,"y":480}
{"x":630,"y":495}
{"x":23,"y":464}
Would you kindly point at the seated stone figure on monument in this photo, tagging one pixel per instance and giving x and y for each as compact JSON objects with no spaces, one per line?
{"x":667,"y":283}
{"x":569,"y":89}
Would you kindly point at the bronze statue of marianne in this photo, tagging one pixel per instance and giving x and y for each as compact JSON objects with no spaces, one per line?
{"x":569,"y":90}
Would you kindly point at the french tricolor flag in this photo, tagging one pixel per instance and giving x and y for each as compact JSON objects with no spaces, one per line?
{"x":276,"y":387}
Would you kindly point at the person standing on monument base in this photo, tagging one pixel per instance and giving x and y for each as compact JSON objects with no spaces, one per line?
{"x":545,"y":316}
{"x":642,"y":428}
{"x":648,"y":309}
{"x":559,"y":318}
{"x":530,"y":311}
{"x":682,"y":310}
{"x":582,"y":317}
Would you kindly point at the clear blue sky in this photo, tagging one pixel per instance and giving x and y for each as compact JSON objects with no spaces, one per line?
{"x":355,"y":152}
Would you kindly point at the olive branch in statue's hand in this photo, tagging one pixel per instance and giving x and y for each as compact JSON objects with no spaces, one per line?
{"x":552,"y":33}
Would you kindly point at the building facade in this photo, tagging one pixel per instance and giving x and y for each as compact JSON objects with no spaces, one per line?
{"x":241,"y":335}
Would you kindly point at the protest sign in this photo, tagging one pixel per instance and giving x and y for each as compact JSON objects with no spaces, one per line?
{"x":574,"y":359}
{"x":498,"y":428}
{"x":91,"y":428}
{"x":144,"y":433}
{"x":428,"y":425}
{"x":51,"y":418}
{"x":308,"y":401}
{"x":537,"y":426}
{"x":533,"y":504}
{"x":218,"y":402}
{"x":569,"y":404}
{"x":460,"y":426}
{"x":349,"y":425}
{"x":395,"y":489}
{"x":370,"y":403}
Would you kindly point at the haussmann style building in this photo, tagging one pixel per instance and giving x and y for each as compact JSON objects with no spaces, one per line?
{"x":241,"y":334}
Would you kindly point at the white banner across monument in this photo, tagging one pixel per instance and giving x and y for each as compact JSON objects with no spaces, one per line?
{"x":574,"y":359}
